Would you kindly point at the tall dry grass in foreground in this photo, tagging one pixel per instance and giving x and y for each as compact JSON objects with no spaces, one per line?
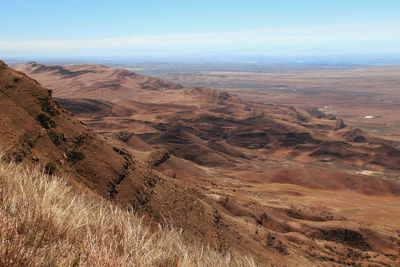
{"x":43,"y":222}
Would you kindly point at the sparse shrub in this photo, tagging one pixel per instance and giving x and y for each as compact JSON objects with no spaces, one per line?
{"x":29,"y":139}
{"x":51,"y":167}
{"x":55,"y":138}
{"x":27,"y":136}
{"x":17,"y":79}
{"x":44,"y":120}
{"x":77,"y":155}
{"x":45,"y":103}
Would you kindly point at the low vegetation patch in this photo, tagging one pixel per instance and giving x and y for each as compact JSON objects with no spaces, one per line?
{"x":77,"y":155}
{"x":46,"y":222}
{"x":44,"y":120}
{"x":51,"y":167}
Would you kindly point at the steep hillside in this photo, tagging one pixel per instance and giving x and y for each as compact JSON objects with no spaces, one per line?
{"x":45,"y":222}
{"x":36,"y":130}
{"x":287,"y":184}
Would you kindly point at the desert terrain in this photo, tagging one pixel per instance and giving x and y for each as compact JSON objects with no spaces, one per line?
{"x":268,"y":163}
{"x":364,"y":96}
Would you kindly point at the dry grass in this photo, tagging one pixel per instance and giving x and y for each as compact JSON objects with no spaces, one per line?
{"x":43,"y":222}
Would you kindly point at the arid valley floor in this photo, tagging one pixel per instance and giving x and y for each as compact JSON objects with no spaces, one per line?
{"x":364,"y":96}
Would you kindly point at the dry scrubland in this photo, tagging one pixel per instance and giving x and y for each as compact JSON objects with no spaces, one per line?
{"x":289,"y":185}
{"x":44,"y":222}
{"x":350,"y":94}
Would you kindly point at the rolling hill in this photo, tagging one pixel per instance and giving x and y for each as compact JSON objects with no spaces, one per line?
{"x":289,"y":185}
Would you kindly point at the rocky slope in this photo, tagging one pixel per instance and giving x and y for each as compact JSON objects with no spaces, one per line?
{"x":275,"y":180}
{"x":35,"y":129}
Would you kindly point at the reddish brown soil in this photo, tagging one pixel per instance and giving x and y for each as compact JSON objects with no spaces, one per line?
{"x":291,"y":185}
{"x":105,"y":169}
{"x":350,"y":94}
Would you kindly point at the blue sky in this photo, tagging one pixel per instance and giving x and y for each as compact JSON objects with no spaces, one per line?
{"x":118,"y":28}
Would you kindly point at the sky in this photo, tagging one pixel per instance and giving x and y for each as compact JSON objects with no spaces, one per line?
{"x":194,"y":28}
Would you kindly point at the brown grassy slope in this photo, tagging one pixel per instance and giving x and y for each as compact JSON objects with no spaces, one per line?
{"x":24,"y":103}
{"x":216,"y":125}
{"x":241,"y":215}
{"x":98,"y":78}
{"x":106,"y":169}
{"x":44,"y":222}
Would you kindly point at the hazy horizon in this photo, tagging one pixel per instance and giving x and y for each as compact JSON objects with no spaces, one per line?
{"x":344,"y":59}
{"x":223,"y":31}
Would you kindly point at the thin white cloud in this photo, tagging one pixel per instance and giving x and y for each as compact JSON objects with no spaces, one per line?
{"x":299,"y":36}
